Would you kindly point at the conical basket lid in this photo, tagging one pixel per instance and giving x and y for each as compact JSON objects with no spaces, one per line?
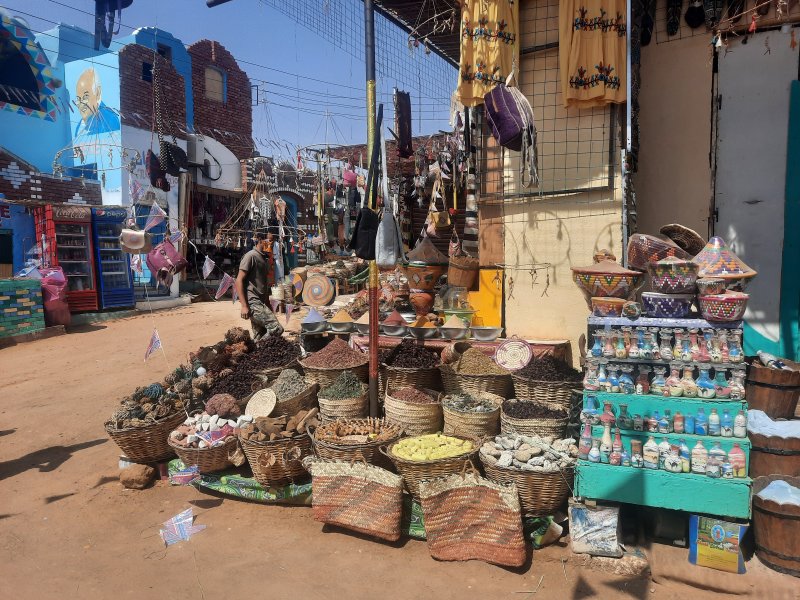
{"x":427,"y":253}
{"x":718,"y":260}
{"x":605,"y":267}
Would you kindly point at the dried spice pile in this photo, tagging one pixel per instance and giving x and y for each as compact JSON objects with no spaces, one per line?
{"x":336,"y":355}
{"x":531,"y":410}
{"x":475,"y":362}
{"x":269,"y":353}
{"x":469,"y":403}
{"x":548,"y":368}
{"x":289,"y":384}
{"x":359,"y":431}
{"x":413,"y":395}
{"x":346,"y":385}
{"x":410,"y":355}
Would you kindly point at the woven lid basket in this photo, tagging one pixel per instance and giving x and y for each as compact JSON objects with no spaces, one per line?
{"x":344,"y":408}
{"x":415,"y":419}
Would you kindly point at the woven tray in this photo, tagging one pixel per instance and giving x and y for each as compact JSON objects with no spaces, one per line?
{"x":540,"y":494}
{"x":324,"y":377}
{"x":537,"y":426}
{"x":148,"y":444}
{"x":554,"y":394}
{"x":477,"y":424}
{"x":366,"y":452}
{"x":456,"y":383}
{"x":400,"y":377}
{"x":278,"y":462}
{"x":344,"y":408}
{"x":415,"y":419}
{"x":207,"y":460}
{"x":303,"y":401}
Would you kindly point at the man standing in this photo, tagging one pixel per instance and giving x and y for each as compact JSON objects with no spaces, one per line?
{"x":252,"y":286}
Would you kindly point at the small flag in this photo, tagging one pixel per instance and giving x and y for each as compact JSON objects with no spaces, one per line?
{"x":274,"y":304}
{"x":136,"y":191}
{"x":179,"y":528}
{"x":177,"y":237}
{"x":235,"y":295}
{"x":136,"y":264}
{"x":227,"y":281}
{"x":208,"y":266}
{"x":156,"y":216}
{"x":155,"y":344}
{"x":289,"y":309}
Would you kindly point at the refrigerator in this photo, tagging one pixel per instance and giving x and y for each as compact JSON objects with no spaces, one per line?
{"x":65,"y":234}
{"x":114,"y":277}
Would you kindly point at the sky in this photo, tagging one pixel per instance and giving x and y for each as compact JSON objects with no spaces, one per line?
{"x":301,"y":76}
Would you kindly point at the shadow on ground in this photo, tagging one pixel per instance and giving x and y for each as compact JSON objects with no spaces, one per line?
{"x":46,"y":459}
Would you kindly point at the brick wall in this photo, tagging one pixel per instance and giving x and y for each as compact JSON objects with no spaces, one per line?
{"x":21,"y":309}
{"x":20,"y":180}
{"x":229,"y":122}
{"x":136,"y":94}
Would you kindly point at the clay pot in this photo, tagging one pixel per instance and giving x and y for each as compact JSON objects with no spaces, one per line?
{"x":422,"y":301}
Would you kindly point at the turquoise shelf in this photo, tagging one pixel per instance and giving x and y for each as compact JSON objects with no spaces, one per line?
{"x":677,"y":491}
{"x":654,"y":322}
{"x":664,"y":363}
{"x":645,"y":404}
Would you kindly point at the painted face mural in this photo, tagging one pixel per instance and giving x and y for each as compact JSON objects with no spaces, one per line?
{"x":96,"y":117}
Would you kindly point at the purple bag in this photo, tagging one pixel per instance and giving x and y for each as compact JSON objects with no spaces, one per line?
{"x":164,"y":261}
{"x":510,"y":116}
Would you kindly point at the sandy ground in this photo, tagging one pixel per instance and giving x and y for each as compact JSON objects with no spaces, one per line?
{"x":69,"y":530}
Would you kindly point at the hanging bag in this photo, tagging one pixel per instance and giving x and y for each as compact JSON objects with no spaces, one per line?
{"x":388,"y":242}
{"x":164,"y":261}
{"x":437,"y":219}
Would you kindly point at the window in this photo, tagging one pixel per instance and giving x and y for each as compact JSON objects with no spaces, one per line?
{"x":165,"y":51}
{"x":17,"y":81}
{"x":215,"y":84}
{"x":147,"y":72}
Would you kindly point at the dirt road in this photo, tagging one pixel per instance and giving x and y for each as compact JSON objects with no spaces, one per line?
{"x":69,"y":530}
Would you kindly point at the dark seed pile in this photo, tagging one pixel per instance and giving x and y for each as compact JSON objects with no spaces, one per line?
{"x":413,"y":395}
{"x":548,"y":368}
{"x":269,"y":353}
{"x":337,"y":355}
{"x":531,"y":410}
{"x":346,"y":385}
{"x":410,"y":355}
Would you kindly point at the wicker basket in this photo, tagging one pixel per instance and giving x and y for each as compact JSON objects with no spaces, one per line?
{"x":457,"y":383}
{"x":207,"y":460}
{"x":367,"y":452}
{"x":554,"y":394}
{"x":470,"y":423}
{"x":344,"y":408}
{"x":277,"y":462}
{"x":421,"y":378}
{"x":414,"y":472}
{"x":540,"y":494}
{"x":543,"y":427}
{"x":267,"y":375}
{"x":303,"y":401}
{"x":415,"y":419}
{"x":148,"y":444}
{"x":462,"y":271}
{"x":324,"y":376}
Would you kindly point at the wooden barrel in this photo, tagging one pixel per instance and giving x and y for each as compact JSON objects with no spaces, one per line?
{"x":775,"y":391}
{"x":771,"y":455}
{"x":777,"y":528}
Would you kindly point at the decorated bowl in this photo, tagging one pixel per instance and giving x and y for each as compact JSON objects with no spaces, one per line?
{"x":607,"y":307}
{"x":725,"y":307}
{"x":673,"y":276}
{"x":606,"y":279}
{"x":666,"y":306}
{"x":314,"y":327}
{"x":644,"y":249}
{"x":631,"y":310}
{"x":363,"y":328}
{"x":710,"y":286}
{"x":454,"y":333}
{"x":422,"y":333}
{"x":394,"y":330}
{"x":486,"y":334}
{"x":341,"y":327}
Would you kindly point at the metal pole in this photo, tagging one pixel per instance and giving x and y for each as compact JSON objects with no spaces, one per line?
{"x":369,"y":56}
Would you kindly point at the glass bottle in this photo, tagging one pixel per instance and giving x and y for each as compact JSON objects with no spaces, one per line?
{"x":626,"y":336}
{"x":705,"y":346}
{"x":605,"y":444}
{"x":668,"y":415}
{"x":638,"y":423}
{"x":663,"y":424}
{"x":699,"y":458}
{"x":705,"y":386}
{"x":652,"y":340}
{"x":716,"y":347}
{"x":678,"y":423}
{"x":585,"y":444}
{"x":594,"y":453}
{"x":625,"y":458}
{"x":686,"y":457}
{"x":737,"y":384}
{"x":624,"y":421}
{"x":735,"y":353}
{"x":590,"y":378}
{"x":626,"y":385}
{"x":659,"y":383}
{"x":616,"y":450}
{"x":608,"y":344}
{"x":726,"y":424}
{"x":738,"y":461}
{"x":597,"y":348}
{"x":686,"y":346}
{"x":645,"y":349}
{"x":637,"y":454}
{"x":740,"y":425}
{"x":722,"y":334}
{"x":620,"y":351}
{"x":612,"y":384}
{"x":666,"y":344}
{"x":716,"y":457}
{"x":633,"y":350}
{"x":694,"y":347}
{"x":602,"y":375}
{"x":650,"y":454}
{"x":701,"y":422}
{"x":652,"y":422}
{"x":688,"y":424}
{"x":721,"y":387}
{"x":688,"y":383}
{"x":589,"y":412}
{"x":643,"y":380}
{"x":663,"y":452}
{"x":608,"y":418}
{"x":714,"y":424}
{"x":673,"y":383}
{"x":672,"y":462}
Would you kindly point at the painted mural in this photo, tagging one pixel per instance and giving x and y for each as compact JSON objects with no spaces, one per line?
{"x":96,"y":116}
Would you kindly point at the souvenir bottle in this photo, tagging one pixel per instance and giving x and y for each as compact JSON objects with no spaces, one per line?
{"x":673,"y":383}
{"x":701,"y":422}
{"x":705,"y":345}
{"x":659,"y":383}
{"x":605,"y":444}
{"x":722,"y":334}
{"x":625,"y":458}
{"x":714,"y":424}
{"x":668,"y":415}
{"x":737,"y":384}
{"x":640,"y":331}
{"x":727,"y":470}
{"x":678,"y":422}
{"x":626,"y":385}
{"x":716,"y":457}
{"x":688,"y":424}
{"x":633,"y":348}
{"x":652,"y":341}
{"x":738,"y":461}
{"x":612,"y":383}
{"x":705,"y":386}
{"x":608,"y":418}
{"x":683,"y":346}
{"x":643,"y":380}
{"x":665,"y":349}
{"x":602,"y":375}
{"x":626,"y":337}
{"x":624,"y":421}
{"x":620,"y":351}
{"x":695,"y":344}
{"x":594,"y":453}
{"x":638,"y":423}
{"x":686,"y":457}
{"x":597,"y":348}
{"x":716,"y":347}
{"x":589,"y":412}
{"x":637,"y":454}
{"x":663,"y":452}
{"x":608,"y":344}
{"x":718,"y":453}
{"x":652,"y":422}
{"x":721,"y":387}
{"x":585,"y":444}
{"x":726,"y":424}
{"x":644,"y":343}
{"x":688,"y":382}
{"x":663,"y":424}
{"x":699,"y":458}
{"x":616,"y":450}
{"x":740,"y":425}
{"x":672,"y":461}
{"x":590,"y":378}
{"x":650,"y":454}
{"x":735,"y":354}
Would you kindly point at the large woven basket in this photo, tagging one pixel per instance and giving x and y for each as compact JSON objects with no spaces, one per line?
{"x":415,"y":419}
{"x":554,"y":394}
{"x":414,"y":472}
{"x":148,"y":444}
{"x":277,"y":462}
{"x":267,"y":375}
{"x":207,"y":460}
{"x":457,"y":383}
{"x":470,"y":423}
{"x":344,"y":408}
{"x":540,"y":494}
{"x":324,"y":376}
{"x":291,"y":406}
{"x":542,"y":427}
{"x":366,"y":452}
{"x":422,"y":378}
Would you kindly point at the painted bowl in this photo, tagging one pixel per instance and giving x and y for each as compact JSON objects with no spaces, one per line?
{"x":673,"y":276}
{"x":608,"y":307}
{"x":723,"y":308}
{"x":422,"y":333}
{"x":454,"y":333}
{"x":710,"y":286}
{"x":631,"y":310}
{"x":314,"y":327}
{"x":666,"y":306}
{"x":363,"y":328}
{"x":394,"y":330}
{"x":486,"y":334}
{"x":644,"y":249}
{"x":606,"y":279}
{"x":341,"y":327}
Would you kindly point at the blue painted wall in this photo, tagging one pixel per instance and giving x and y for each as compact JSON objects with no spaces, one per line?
{"x":23,"y":233}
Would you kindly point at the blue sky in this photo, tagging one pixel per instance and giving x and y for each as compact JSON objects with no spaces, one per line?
{"x":301,"y":75}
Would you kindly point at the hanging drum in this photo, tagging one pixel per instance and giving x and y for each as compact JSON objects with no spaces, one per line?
{"x":318,"y":291}
{"x":513,"y":354}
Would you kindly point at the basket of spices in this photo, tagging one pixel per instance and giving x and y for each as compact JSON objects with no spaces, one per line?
{"x":546,"y":380}
{"x":428,"y":456}
{"x":472,"y":414}
{"x":474,"y":372}
{"x":345,"y":398}
{"x":293,"y":393}
{"x":355,"y":440}
{"x":410,"y":364}
{"x":416,"y":411}
{"x":276,"y":446}
{"x":532,"y":418}
{"x":542,"y":469}
{"x":325,"y":366}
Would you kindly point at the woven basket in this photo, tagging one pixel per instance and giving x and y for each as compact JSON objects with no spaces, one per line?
{"x":324,"y":376}
{"x":400,"y":377}
{"x":540,"y":494}
{"x":207,"y":460}
{"x":148,"y":444}
{"x":554,"y":394}
{"x":462,"y":271}
{"x":303,"y":401}
{"x":278,"y":462}
{"x":367,"y":452}
{"x":470,"y":423}
{"x":536,"y":426}
{"x":344,"y":408}
{"x":457,"y":383}
{"x":415,"y":419}
{"x":414,"y":472}
{"x":267,"y":375}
